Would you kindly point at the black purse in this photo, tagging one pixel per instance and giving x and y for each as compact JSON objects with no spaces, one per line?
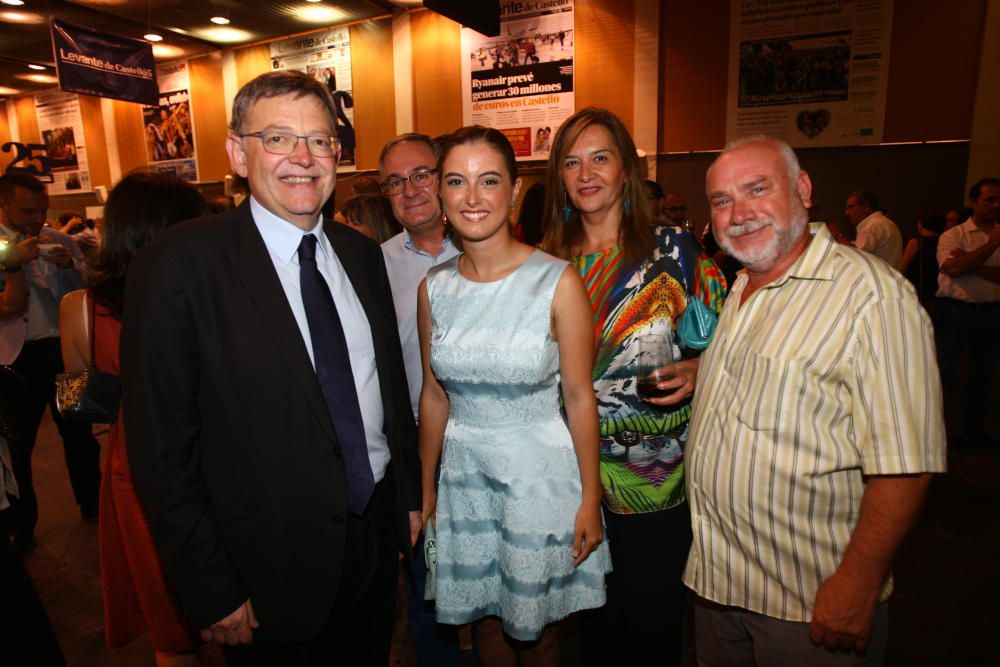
{"x":90,"y":395}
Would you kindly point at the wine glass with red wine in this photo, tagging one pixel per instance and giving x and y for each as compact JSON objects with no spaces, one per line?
{"x":656,"y":364}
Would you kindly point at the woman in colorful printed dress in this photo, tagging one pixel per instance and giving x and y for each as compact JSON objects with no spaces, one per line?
{"x":639,"y":279}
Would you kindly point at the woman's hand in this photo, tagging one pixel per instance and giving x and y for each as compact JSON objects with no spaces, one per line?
{"x":682,"y":384}
{"x":588,"y":531}
{"x":429,"y":511}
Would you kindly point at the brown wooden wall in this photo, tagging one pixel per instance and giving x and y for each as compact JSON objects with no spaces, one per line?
{"x":437,"y":73}
{"x":208,"y":113}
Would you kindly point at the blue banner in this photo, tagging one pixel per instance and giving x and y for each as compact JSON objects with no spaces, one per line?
{"x":104,"y":65}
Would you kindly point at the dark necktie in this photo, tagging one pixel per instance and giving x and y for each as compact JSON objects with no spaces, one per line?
{"x":336,"y":381}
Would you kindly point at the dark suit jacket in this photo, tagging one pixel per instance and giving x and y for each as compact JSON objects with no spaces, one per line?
{"x":230,"y":442}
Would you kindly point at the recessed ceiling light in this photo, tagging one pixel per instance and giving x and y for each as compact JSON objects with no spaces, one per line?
{"x":34,"y":66}
{"x":152,"y":37}
{"x":4,"y":90}
{"x":318,"y":14}
{"x":167,"y":51}
{"x":224,"y":34}
{"x":31,"y":18}
{"x":38,"y":78}
{"x":314,"y":0}
{"x":219,"y":20}
{"x":13,"y":3}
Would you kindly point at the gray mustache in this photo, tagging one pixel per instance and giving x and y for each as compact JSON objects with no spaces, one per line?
{"x":747,"y":228}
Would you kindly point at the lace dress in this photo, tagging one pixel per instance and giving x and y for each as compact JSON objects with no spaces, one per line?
{"x":510,"y":484}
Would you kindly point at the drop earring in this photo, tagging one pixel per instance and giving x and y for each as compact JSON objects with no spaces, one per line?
{"x":627,"y":205}
{"x":567,"y":209}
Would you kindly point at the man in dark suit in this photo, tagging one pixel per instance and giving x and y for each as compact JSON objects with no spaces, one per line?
{"x":266,"y":410}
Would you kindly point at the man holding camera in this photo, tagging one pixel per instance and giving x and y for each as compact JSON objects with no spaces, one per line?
{"x":46,"y":264}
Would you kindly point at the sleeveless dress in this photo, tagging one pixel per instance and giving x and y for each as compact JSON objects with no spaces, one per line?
{"x":509,"y":484}
{"x":136,"y":597}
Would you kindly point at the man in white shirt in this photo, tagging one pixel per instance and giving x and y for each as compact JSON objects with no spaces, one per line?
{"x":967,"y":311}
{"x":408,"y":168}
{"x":876,"y":233}
{"x":269,"y":430}
{"x":29,"y":346}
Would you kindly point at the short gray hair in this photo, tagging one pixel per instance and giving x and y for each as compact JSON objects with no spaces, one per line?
{"x":792,"y":167}
{"x":434,"y":147}
{"x":276,"y":84}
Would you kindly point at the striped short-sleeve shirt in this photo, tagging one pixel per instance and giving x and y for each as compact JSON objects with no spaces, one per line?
{"x":823,"y":377}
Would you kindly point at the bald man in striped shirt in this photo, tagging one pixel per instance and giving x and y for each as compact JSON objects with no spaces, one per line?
{"x":816,"y":425}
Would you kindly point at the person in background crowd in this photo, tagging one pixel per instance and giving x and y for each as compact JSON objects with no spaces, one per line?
{"x":408,"y":166}
{"x":136,"y":598}
{"x":29,"y":344}
{"x":268,"y":429}
{"x":919,"y":263}
{"x":640,"y":280}
{"x":529,"y":218}
{"x":876,"y":233}
{"x":365,"y":185}
{"x":956,"y":216}
{"x":967,"y":313}
{"x":371,"y":215}
{"x":816,"y":424}
{"x":674,"y":208}
{"x":504,"y":334}
{"x":654,"y":195}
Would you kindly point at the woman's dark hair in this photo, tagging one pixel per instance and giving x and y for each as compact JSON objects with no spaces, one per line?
{"x":531,"y":214}
{"x":563,"y":236}
{"x":932,"y":220}
{"x":477,"y":134}
{"x":139,"y":208}
{"x":374,"y":211}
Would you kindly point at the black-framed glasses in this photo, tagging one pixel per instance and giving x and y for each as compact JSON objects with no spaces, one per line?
{"x":284,"y":143}
{"x":421,"y":178}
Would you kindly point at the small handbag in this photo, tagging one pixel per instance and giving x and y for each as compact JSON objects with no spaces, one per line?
{"x":90,"y":395}
{"x":697,"y":324}
{"x":430,"y":560}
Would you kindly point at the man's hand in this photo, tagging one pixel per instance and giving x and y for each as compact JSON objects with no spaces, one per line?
{"x":843,"y":613}
{"x":235,"y":629}
{"x":60,"y":256}
{"x":23,"y":252}
{"x":682,"y":384}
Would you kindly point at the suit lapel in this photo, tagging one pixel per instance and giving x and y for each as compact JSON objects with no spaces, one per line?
{"x":256,"y":271}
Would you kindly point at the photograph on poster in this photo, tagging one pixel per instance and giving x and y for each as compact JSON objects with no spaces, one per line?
{"x":168,"y":129}
{"x":804,"y":69}
{"x":60,"y":146}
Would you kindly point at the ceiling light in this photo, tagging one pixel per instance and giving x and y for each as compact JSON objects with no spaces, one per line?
{"x":314,"y":0}
{"x":152,"y":37}
{"x":224,"y":34}
{"x":30,"y":18}
{"x":4,"y":90}
{"x":13,"y":3}
{"x":38,"y":78}
{"x":34,"y":66}
{"x":318,"y":14}
{"x":167,"y":51}
{"x":219,"y":20}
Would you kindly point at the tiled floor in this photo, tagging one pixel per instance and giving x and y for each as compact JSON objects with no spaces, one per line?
{"x":944,"y":612}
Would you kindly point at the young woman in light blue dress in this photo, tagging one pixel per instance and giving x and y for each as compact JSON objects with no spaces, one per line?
{"x":506,"y":335}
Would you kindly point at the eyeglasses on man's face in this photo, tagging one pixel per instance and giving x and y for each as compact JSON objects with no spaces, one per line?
{"x":421,"y":178}
{"x":284,"y":143}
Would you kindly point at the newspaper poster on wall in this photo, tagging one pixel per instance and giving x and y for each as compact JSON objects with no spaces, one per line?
{"x":168,"y":127}
{"x":812,"y":72}
{"x":521,"y":82}
{"x":326,"y":55}
{"x":60,"y":124}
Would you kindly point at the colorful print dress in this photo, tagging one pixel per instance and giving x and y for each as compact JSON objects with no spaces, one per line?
{"x":642,"y":447}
